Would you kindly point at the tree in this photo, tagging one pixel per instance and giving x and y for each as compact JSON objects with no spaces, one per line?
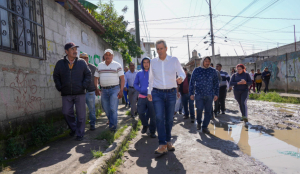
{"x":116,"y":34}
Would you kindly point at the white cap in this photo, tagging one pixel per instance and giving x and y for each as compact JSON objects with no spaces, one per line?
{"x":109,"y":51}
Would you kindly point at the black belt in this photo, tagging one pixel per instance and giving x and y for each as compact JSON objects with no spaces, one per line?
{"x":165,"y":90}
{"x":109,"y":87}
{"x":131,"y":87}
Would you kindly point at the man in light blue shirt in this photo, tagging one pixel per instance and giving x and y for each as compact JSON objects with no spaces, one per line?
{"x":132,"y":93}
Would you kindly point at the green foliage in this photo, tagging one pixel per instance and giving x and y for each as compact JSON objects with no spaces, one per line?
{"x":97,"y":154}
{"x":127,"y":113}
{"x":109,"y":136}
{"x":113,"y":168}
{"x":14,"y":147}
{"x":274,"y":97}
{"x":98,"y":112}
{"x":115,"y":31}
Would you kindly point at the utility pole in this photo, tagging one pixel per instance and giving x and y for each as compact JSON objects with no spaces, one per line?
{"x":171,"y":49}
{"x":295,"y":37}
{"x":188,"y":44}
{"x":211,"y":33}
{"x":137,"y":26}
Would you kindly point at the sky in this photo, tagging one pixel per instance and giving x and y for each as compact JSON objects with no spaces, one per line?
{"x":233,"y":36}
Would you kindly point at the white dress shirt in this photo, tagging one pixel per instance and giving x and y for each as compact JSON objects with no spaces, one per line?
{"x":130,"y":77}
{"x":163,"y":73}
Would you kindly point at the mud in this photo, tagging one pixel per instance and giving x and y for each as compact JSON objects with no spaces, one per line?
{"x":269,"y":143}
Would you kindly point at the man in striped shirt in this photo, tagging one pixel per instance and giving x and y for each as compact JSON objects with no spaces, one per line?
{"x":110,"y":73}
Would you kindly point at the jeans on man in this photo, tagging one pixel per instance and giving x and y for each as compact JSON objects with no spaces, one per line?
{"x":75,"y":124}
{"x":133,"y":96}
{"x":188,"y":105}
{"x":110,"y":101}
{"x":164,"y":106}
{"x":90,"y":101}
{"x":146,"y":111}
{"x":204,"y":102}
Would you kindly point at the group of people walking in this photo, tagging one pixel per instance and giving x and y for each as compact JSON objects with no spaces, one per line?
{"x":152,"y":92}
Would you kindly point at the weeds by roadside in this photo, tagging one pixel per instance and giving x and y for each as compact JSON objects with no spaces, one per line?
{"x":113,"y":168}
{"x":274,"y":97}
{"x":111,"y":137}
{"x":97,"y":154}
{"x":128,"y":112}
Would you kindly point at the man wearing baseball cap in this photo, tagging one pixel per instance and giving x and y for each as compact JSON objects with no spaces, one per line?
{"x":90,"y":92}
{"x":72,"y":77}
{"x":110,"y":73}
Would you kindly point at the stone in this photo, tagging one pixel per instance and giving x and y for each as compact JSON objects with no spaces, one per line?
{"x":35,"y":63}
{"x":21,"y":61}
{"x":58,"y":39}
{"x":49,"y":34}
{"x":5,"y":58}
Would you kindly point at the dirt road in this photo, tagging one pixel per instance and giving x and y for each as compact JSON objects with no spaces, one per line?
{"x":269,"y":144}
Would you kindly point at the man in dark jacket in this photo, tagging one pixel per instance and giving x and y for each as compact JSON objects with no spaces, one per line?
{"x":266,"y":75}
{"x":72,"y":77}
{"x":90,"y":92}
{"x":188,"y":104}
{"x":145,"y":107}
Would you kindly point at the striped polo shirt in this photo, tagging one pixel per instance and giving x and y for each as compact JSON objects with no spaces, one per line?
{"x":109,"y":74}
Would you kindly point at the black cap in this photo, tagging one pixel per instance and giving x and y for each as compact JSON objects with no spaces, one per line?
{"x":70,"y":45}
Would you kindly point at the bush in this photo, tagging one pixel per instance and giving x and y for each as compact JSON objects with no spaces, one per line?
{"x":274,"y":97}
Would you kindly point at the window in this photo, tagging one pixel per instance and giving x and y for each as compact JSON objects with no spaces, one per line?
{"x":22,"y":27}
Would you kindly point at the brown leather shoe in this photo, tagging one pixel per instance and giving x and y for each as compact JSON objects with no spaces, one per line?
{"x":162,"y":149}
{"x":170,"y":146}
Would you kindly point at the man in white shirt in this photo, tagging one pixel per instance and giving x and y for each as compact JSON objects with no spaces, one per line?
{"x":162,"y":91}
{"x":110,"y":73}
{"x":132,"y":93}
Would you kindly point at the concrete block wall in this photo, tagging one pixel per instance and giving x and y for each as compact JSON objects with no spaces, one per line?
{"x":26,"y":84}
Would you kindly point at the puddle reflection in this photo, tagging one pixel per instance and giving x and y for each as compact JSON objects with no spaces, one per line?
{"x":278,"y":149}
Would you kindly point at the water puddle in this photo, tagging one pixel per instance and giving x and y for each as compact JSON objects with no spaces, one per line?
{"x":277,"y":149}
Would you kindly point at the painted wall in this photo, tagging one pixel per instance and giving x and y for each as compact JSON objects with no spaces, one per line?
{"x":285,"y":71}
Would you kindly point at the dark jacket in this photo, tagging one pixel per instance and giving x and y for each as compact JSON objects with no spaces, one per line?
{"x":181,"y":85}
{"x":141,"y":81}
{"x":71,"y":81}
{"x":235,"y":78}
{"x":264,"y":75}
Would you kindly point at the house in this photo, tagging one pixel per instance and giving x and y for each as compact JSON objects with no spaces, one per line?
{"x":32,"y":41}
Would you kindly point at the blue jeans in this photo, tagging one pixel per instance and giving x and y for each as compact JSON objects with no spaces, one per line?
{"x":204,"y":102}
{"x":164,"y":106}
{"x":110,"y":101}
{"x":90,"y":101}
{"x":186,"y":101}
{"x":146,"y":111}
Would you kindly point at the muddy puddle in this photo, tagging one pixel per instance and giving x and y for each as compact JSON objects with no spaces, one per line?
{"x":277,"y":149}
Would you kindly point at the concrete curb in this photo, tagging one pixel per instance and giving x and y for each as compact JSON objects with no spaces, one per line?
{"x":101,"y":165}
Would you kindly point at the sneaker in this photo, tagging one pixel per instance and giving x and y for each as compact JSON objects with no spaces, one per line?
{"x":79,"y":138}
{"x":242,"y":119}
{"x":245,"y":119}
{"x":174,"y":119}
{"x":170,"y":146}
{"x":72,"y":133}
{"x":223,"y":113}
{"x":144,"y":130}
{"x":92,"y":127}
{"x":126,"y":105}
{"x":192,"y":120}
{"x":162,"y":149}
{"x":205,"y":130}
{"x":186,"y":117}
{"x":152,"y":135}
{"x":218,"y":112}
{"x":180,"y":113}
